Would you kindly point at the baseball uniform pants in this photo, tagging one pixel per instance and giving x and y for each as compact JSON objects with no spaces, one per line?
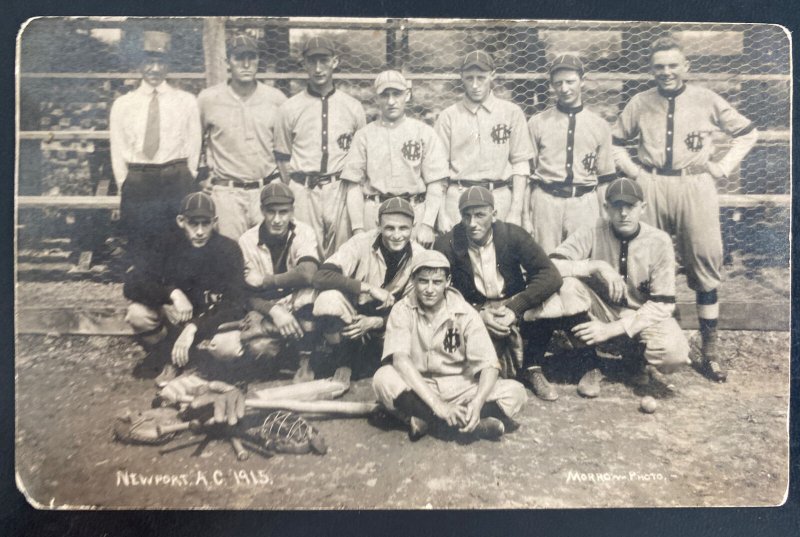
{"x":238,"y":209}
{"x":150,"y":199}
{"x":687,"y":207}
{"x":145,"y":320}
{"x":502,"y":202}
{"x":554,"y":218}
{"x":509,"y":395}
{"x":665,"y":345}
{"x":324,"y":208}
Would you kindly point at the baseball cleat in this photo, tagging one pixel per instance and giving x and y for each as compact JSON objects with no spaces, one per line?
{"x":539,"y":384}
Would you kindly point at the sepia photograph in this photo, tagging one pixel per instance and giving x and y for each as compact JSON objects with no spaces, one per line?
{"x":303,"y":263}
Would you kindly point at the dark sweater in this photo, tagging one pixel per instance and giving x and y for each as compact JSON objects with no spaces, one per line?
{"x":211,"y":277}
{"x":516,"y":251}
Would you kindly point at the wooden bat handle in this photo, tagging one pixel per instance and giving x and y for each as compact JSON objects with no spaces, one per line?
{"x":344,"y":408}
{"x":161,"y":430}
{"x":241,"y":453}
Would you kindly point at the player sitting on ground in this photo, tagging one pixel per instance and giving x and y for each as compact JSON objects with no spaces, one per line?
{"x":440,"y":367}
{"x":280,"y":260}
{"x":622,"y":273}
{"x":189,"y":284}
{"x":359,"y":284}
{"x":488,"y":259}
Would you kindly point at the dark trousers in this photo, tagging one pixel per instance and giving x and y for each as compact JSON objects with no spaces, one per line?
{"x":150,"y":200}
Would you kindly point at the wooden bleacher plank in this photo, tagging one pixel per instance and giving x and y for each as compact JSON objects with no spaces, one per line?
{"x":112,"y":202}
{"x":68,"y":202}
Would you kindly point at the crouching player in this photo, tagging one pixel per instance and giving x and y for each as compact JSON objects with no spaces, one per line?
{"x":622,"y":272}
{"x":358,"y":286}
{"x":440,"y":364}
{"x":186,"y":287}
{"x":280,"y":260}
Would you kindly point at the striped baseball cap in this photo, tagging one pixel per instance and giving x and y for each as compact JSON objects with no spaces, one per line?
{"x":624,"y":189}
{"x":242,"y":43}
{"x":396,"y":206}
{"x":276,"y":193}
{"x":567,"y":61}
{"x":390,"y":79}
{"x":319,"y":45}
{"x":198,"y":204}
{"x":475,"y":196}
{"x":478,"y":58}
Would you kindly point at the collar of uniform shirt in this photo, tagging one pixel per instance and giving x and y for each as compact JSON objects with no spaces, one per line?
{"x":672,"y":93}
{"x":313,"y":93}
{"x":487,"y":103}
{"x":392,"y":124}
{"x":147,"y":89}
{"x":569,"y":109}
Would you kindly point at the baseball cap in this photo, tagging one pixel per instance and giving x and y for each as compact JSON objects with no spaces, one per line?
{"x":155,"y":42}
{"x":390,"y":79}
{"x":319,"y":45}
{"x":475,"y":196}
{"x":624,"y":189}
{"x":242,"y":43}
{"x":567,"y":61}
{"x":276,"y":193}
{"x":396,"y":206}
{"x":198,"y":204}
{"x":429,"y":259}
{"x":478,"y":58}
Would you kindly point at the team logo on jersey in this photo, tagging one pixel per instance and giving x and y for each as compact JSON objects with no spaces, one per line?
{"x":694,"y":141}
{"x":501,"y":133}
{"x":344,"y":141}
{"x":589,"y":162}
{"x":412,"y":150}
{"x":452,"y":338}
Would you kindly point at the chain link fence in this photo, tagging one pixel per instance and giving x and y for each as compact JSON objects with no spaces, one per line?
{"x":73,"y":69}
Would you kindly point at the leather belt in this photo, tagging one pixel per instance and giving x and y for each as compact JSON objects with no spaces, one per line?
{"x":564,"y":190}
{"x":411,"y":198}
{"x":144,"y":167}
{"x":246,"y":185}
{"x":488,"y":184}
{"x":313,"y":180}
{"x":669,"y":172}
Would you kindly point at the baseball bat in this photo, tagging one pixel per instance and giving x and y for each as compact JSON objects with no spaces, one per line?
{"x":341,"y":408}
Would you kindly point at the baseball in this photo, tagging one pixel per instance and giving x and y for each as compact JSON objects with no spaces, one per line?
{"x":648,"y":405}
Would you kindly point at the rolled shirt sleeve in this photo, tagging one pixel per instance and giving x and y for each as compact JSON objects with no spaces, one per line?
{"x":480,"y":351}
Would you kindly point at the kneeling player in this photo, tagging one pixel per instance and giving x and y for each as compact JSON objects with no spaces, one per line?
{"x":358,"y":286}
{"x":622,"y":273}
{"x":440,"y":365}
{"x":189,"y":284}
{"x":280,"y":260}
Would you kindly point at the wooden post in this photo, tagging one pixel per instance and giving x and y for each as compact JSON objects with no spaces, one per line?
{"x":214,"y":50}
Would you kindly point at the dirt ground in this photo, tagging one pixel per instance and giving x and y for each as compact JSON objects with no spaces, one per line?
{"x":710,"y":444}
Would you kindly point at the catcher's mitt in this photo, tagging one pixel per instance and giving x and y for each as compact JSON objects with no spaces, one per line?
{"x":142,"y":427}
{"x":286,"y":432}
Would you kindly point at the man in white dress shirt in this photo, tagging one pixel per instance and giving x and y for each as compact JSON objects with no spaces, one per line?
{"x":155,"y":147}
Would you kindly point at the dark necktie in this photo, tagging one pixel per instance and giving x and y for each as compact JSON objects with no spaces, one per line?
{"x":151,"y":133}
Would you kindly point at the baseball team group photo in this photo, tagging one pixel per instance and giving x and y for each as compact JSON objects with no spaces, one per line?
{"x":295,"y":263}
